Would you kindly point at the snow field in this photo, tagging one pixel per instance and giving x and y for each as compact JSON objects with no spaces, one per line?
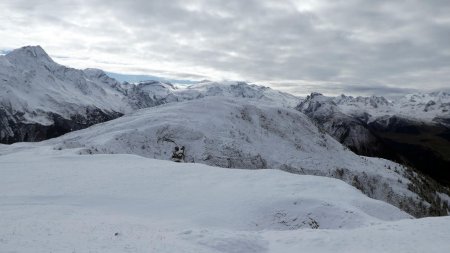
{"x":64,"y":202}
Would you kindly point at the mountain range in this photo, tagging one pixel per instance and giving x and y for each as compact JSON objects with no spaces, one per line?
{"x":234,"y":125}
{"x":40,"y":99}
{"x":85,"y":165}
{"x":413,"y":130}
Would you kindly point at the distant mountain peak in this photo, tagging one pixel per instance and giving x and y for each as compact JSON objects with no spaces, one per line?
{"x":94,"y":72}
{"x":27,"y":54}
{"x":31,"y":51}
{"x":155,"y":83}
{"x":316,"y":94}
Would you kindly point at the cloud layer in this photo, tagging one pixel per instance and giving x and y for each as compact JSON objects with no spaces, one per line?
{"x":351,"y":46}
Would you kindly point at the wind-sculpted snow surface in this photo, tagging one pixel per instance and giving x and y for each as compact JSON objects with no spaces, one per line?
{"x":59,"y":201}
{"x":235,"y":133}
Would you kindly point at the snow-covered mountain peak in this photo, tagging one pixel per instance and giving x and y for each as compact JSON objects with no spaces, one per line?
{"x":376,"y":101}
{"x":96,"y":75}
{"x":156,"y":84}
{"x":40,"y":98}
{"x":318,"y":97}
{"x":372,"y":101}
{"x":93,"y":72}
{"x":35,"y":83}
{"x":32,"y":51}
{"x":316,"y":94}
{"x":232,"y":88}
{"x":319,"y":104}
{"x":29,"y":55}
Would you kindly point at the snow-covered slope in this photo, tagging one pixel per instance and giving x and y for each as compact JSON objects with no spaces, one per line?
{"x":40,"y":98}
{"x":236,"y":133}
{"x":58,"y":201}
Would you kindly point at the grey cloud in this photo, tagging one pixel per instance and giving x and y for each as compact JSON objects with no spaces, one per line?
{"x":334,"y":89}
{"x":352,"y":45}
{"x":377,"y":90}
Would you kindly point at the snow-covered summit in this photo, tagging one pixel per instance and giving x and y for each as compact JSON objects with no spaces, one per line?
{"x":318,"y":104}
{"x":32,"y":79}
{"x":40,"y":98}
{"x":29,"y":56}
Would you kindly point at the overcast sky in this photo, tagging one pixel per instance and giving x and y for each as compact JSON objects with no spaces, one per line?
{"x":336,"y":46}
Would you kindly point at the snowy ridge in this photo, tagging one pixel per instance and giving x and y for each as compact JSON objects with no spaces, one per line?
{"x":236,"y":133}
{"x":151,"y":93}
{"x":421,"y":107}
{"x":239,"y":90}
